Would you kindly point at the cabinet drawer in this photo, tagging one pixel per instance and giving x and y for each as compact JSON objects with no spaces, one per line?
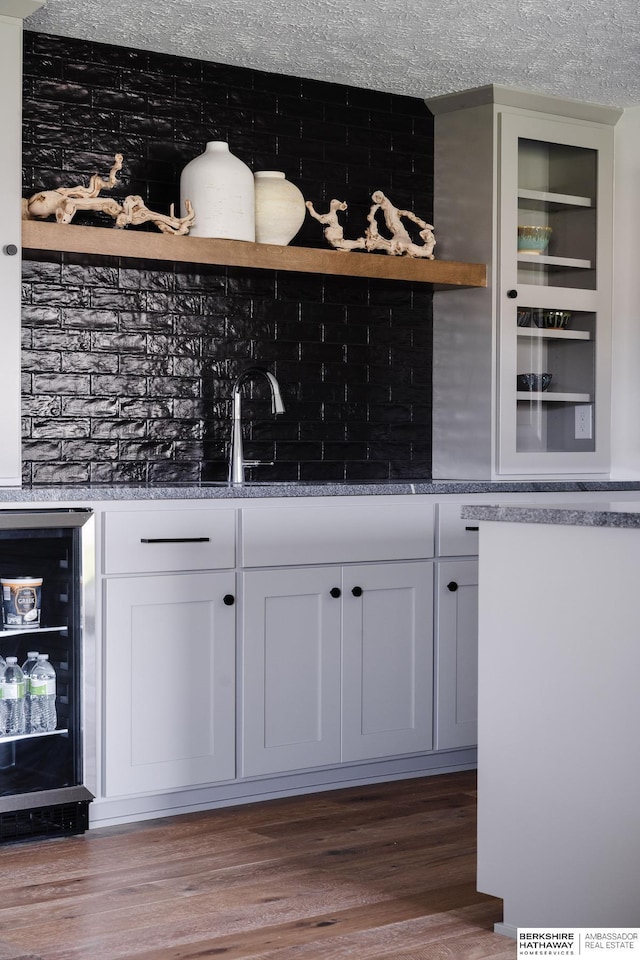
{"x":156,"y":541}
{"x":455,"y":537}
{"x":288,"y":536}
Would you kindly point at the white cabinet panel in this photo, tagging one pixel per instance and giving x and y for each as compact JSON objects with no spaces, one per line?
{"x":170,"y":677}
{"x":387,"y":660}
{"x":297,"y":535}
{"x":559,"y":780}
{"x":456,"y":654}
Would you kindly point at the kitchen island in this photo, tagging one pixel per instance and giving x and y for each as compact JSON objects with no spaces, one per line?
{"x":559,"y":713}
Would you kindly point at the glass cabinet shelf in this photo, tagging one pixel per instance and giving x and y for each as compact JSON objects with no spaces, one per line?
{"x":32,"y":736}
{"x":20,"y":630}
{"x":541,"y":334}
{"x":543,"y":258}
{"x":539,"y":198}
{"x":550,"y":397}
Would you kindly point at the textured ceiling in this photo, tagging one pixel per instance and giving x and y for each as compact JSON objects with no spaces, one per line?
{"x":582,"y":49}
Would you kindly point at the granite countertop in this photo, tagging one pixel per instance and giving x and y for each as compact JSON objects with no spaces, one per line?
{"x":626,"y":514}
{"x":61,"y":493}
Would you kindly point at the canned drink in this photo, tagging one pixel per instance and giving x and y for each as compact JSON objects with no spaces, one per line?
{"x":21,"y":598}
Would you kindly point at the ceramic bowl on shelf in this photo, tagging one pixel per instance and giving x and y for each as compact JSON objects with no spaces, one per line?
{"x":532,"y":239}
{"x":531,"y":382}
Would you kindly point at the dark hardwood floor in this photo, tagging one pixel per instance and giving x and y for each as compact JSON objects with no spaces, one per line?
{"x":382,"y":871}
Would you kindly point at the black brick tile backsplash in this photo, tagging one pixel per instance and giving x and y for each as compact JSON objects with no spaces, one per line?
{"x":128,"y":365}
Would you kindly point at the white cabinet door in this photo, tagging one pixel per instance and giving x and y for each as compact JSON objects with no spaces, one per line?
{"x":387,"y":659}
{"x":456,"y":654}
{"x":290,"y":669}
{"x":10,"y":203}
{"x":554,"y":305}
{"x":170,"y":681}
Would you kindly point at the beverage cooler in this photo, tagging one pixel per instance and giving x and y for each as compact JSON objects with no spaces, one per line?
{"x":42,"y":582}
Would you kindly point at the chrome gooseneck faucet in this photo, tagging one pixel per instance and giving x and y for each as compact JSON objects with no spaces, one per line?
{"x":237,"y":463}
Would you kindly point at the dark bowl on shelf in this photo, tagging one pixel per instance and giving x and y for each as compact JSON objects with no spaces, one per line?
{"x":552,"y":319}
{"x":533,"y":381}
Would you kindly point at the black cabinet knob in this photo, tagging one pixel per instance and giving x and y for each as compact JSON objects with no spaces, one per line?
{"x":335,"y":592}
{"x":357,"y":591}
{"x":453,"y":586}
{"x":512,"y":294}
{"x":229,"y":599}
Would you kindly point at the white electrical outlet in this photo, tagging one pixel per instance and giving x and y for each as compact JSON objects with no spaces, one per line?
{"x":584,"y":421}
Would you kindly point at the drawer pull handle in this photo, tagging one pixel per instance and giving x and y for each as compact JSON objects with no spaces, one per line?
{"x":472,"y":529}
{"x":357,"y":591}
{"x":335,"y":592}
{"x":452,"y":586}
{"x":228,"y":599}
{"x":175,"y":539}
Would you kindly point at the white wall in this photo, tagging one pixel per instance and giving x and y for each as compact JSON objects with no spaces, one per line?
{"x":625,"y":411}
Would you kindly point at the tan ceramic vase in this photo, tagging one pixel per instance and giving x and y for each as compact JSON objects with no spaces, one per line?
{"x":280,"y":208}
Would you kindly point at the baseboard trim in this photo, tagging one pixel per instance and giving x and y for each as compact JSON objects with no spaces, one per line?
{"x":111,"y":811}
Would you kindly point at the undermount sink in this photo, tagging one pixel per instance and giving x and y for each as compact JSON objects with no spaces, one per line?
{"x":251,"y":483}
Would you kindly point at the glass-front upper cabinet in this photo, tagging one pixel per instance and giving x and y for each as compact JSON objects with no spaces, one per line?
{"x":554,"y":296}
{"x":521,"y":379}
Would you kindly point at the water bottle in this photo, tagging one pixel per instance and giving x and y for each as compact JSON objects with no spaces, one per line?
{"x":42,"y":683}
{"x":27,"y":667}
{"x":13,"y":694}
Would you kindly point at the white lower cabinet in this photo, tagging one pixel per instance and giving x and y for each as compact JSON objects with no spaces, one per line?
{"x":170,"y":678}
{"x":456,"y":654}
{"x":351,"y":652}
{"x":336,"y":664}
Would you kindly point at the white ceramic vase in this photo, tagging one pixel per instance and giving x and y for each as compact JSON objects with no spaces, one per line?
{"x":280,"y":208}
{"x":221,"y":190}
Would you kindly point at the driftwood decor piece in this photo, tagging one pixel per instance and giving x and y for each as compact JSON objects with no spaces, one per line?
{"x":398,"y":244}
{"x":64,"y":202}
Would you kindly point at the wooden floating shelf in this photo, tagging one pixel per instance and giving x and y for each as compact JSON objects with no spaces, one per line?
{"x":111,"y":242}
